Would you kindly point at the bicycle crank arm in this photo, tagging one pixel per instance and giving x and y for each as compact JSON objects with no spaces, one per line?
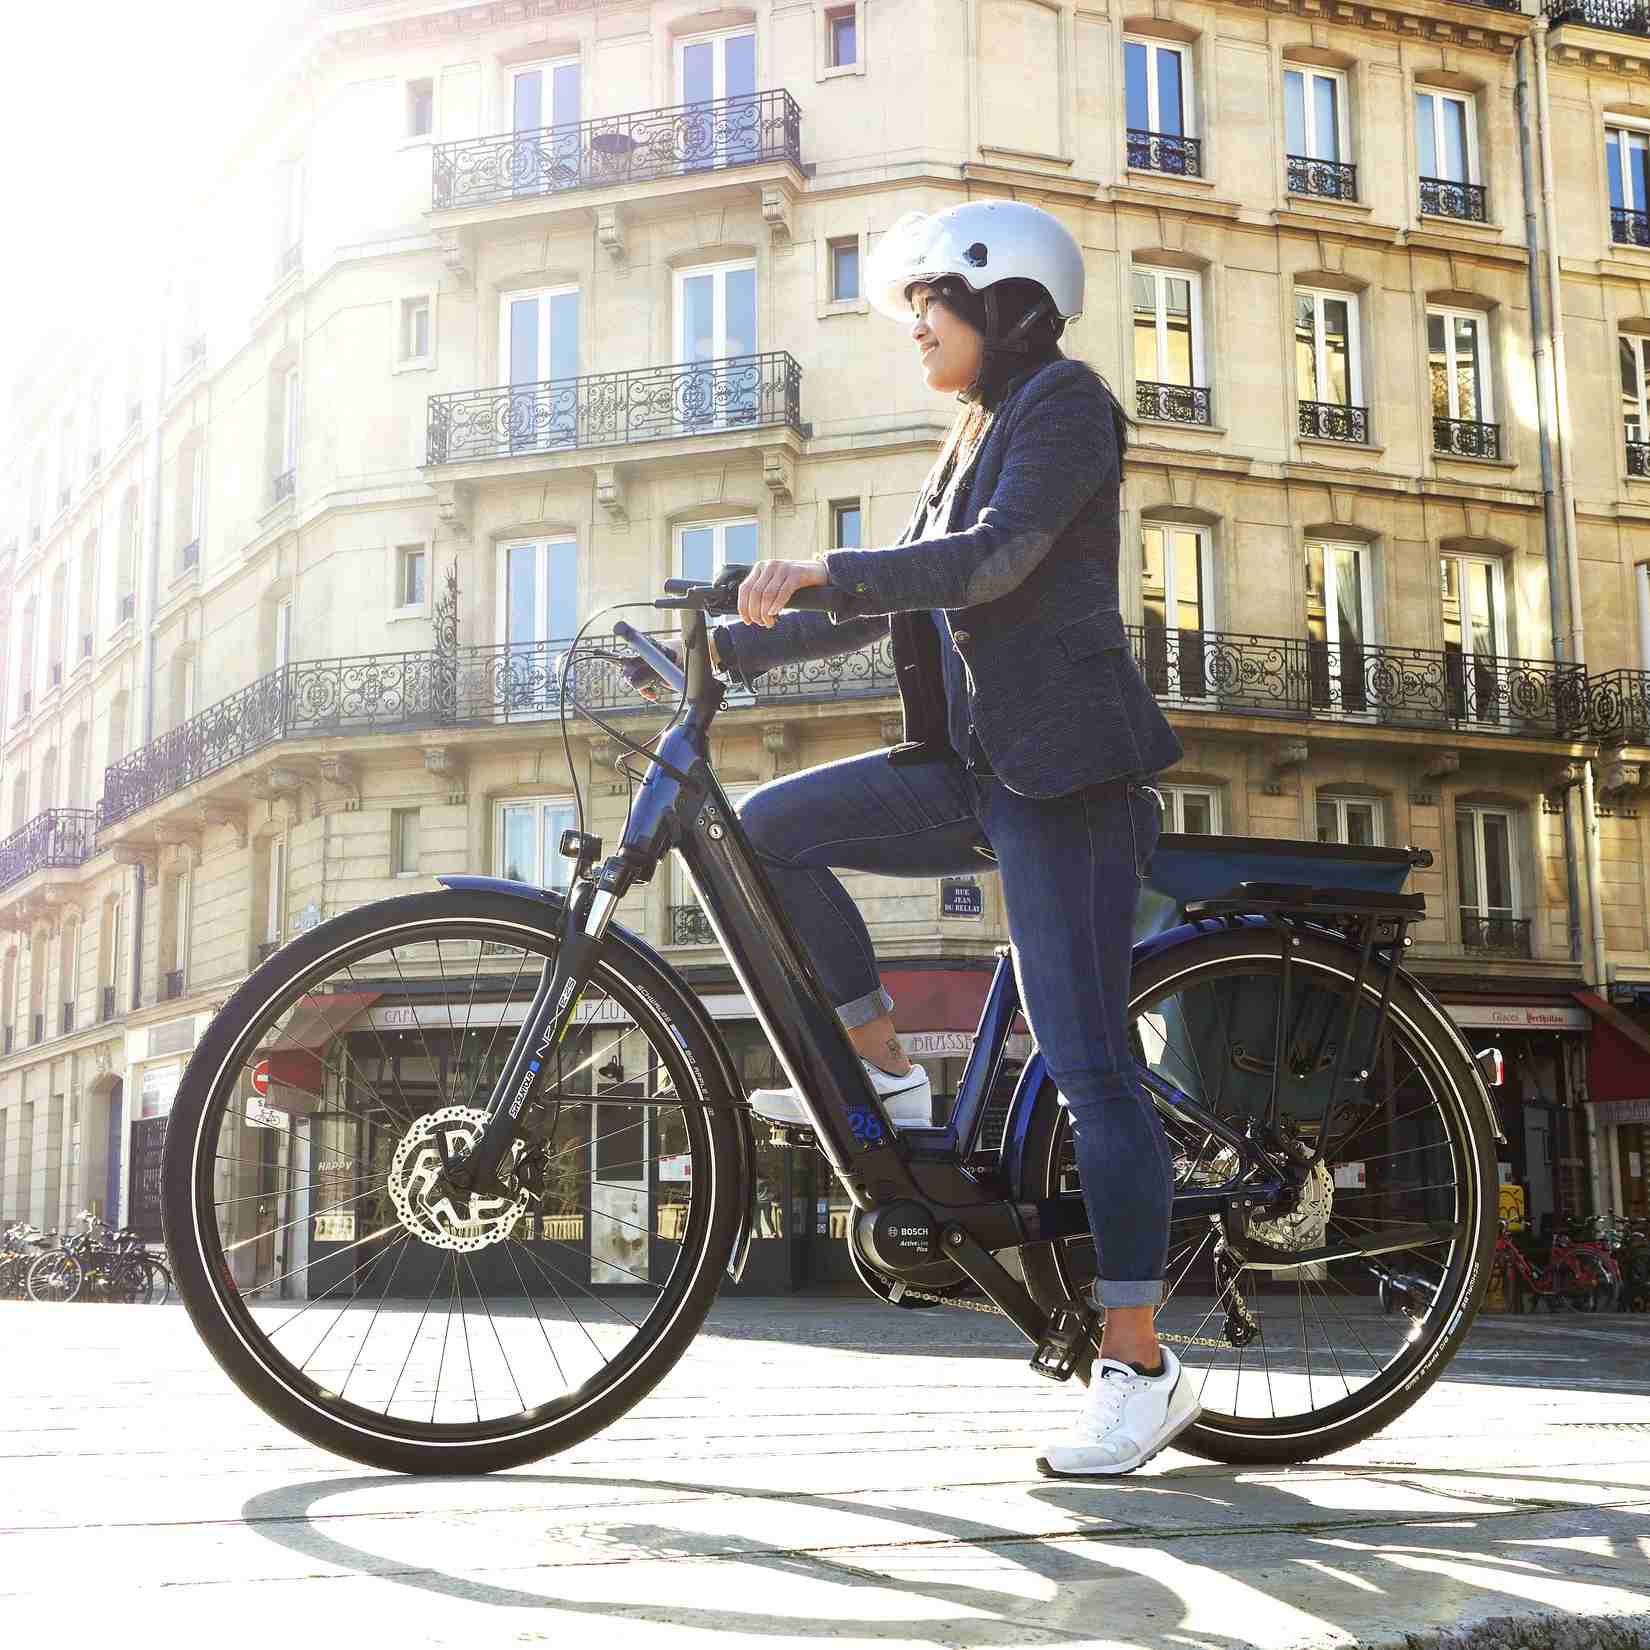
{"x":1003,"y":1290}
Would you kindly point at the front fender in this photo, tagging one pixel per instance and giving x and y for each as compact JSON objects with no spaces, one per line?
{"x":553,"y":903}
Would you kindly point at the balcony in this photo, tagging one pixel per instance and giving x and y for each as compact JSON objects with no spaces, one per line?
{"x":1180,"y":157}
{"x":685,"y":141}
{"x":701,"y":398}
{"x":105,"y":1003}
{"x":58,"y":839}
{"x":1335,"y":180}
{"x":1495,"y":936}
{"x":1619,"y":707}
{"x":1445,"y":198}
{"x":1628,"y":227}
{"x":1177,"y":403}
{"x":1620,"y":16}
{"x":1297,"y":678}
{"x":690,"y":926}
{"x":171,"y":985}
{"x":1638,"y":459}
{"x":1333,"y":421}
{"x":472,"y":688}
{"x":1464,"y":438}
{"x":283,"y":487}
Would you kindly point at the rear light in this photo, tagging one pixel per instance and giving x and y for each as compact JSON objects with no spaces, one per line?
{"x":1491,"y":1067}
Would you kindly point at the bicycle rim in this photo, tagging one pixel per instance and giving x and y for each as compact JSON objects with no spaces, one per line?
{"x":1306,"y":1360}
{"x":376,"y":1317}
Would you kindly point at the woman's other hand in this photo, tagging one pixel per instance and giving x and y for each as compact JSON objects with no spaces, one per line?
{"x":770,"y":584}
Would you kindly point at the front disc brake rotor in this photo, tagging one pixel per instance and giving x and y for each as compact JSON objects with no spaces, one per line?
{"x":447,"y":1220}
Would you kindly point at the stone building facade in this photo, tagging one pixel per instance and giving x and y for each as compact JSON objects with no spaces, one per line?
{"x":500,"y":313}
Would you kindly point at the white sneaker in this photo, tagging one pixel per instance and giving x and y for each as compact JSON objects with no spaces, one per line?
{"x":908,"y":1099}
{"x":1128,"y":1418}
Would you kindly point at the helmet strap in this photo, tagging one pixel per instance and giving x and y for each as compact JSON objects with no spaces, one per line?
{"x":1014,"y":343}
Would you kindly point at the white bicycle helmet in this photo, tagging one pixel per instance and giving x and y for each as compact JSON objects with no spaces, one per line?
{"x":978,"y":243}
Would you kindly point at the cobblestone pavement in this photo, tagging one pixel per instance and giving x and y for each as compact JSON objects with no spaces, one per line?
{"x":823,"y":1470}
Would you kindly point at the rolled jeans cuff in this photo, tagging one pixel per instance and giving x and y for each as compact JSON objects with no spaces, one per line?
{"x":1104,"y":1292}
{"x":865,"y":1008}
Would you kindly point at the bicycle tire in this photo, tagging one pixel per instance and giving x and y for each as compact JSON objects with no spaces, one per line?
{"x":55,"y":1278}
{"x":156,"y":1288}
{"x":658,"y":1001}
{"x":1052,"y":1275}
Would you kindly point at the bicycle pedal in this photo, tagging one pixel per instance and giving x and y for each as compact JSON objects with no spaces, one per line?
{"x":1068,"y":1337}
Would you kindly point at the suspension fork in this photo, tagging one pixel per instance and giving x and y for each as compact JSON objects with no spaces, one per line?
{"x":585,"y":916}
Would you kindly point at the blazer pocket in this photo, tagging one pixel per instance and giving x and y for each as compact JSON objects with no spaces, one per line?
{"x":1083,"y":638}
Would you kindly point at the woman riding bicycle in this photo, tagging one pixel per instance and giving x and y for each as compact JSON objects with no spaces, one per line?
{"x":1029,"y":735}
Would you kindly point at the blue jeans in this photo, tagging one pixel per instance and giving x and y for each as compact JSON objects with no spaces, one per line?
{"x":1071,"y":869}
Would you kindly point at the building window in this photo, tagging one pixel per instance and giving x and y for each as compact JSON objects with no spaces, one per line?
{"x":1633,"y":354}
{"x":1352,"y":820}
{"x":704,"y":547}
{"x":1475,"y":635}
{"x":845,"y":271}
{"x":841,"y":38}
{"x":283,"y":632}
{"x":1328,"y":367}
{"x":411,"y":562}
{"x":527,"y":843}
{"x":1488,"y":870}
{"x":275,"y":893}
{"x":1627,"y":160}
{"x":289,"y":431}
{"x":1315,"y":136}
{"x":1338,"y":625}
{"x":415,"y":329}
{"x":716,"y":323}
{"x":1194,"y":809}
{"x":845,"y":525}
{"x":538,"y":591}
{"x":1463,"y":419}
{"x":1168,"y":346}
{"x":404,"y":842}
{"x":1641,"y":584}
{"x":1175,"y":609}
{"x":1446,"y":141}
{"x":420,"y":108}
{"x":1157,"y":103}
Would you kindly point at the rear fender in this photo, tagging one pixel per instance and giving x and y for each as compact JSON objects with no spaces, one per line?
{"x":550,"y":905}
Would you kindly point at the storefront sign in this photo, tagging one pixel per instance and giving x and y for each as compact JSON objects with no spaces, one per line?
{"x":937,"y":1045}
{"x":1518,"y":1016}
{"x":961,"y":897}
{"x":160,"y":1084}
{"x":678,"y":1166}
{"x":1621,"y":1111}
{"x":335,"y":1228}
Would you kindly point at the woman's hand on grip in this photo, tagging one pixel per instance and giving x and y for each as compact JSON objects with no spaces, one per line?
{"x":770,"y":585}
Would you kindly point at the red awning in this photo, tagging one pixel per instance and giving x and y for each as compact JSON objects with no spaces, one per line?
{"x":937,"y":999}
{"x":1618,"y":1058}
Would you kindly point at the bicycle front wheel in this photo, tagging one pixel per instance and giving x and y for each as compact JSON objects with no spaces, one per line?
{"x":56,"y":1277}
{"x":156,"y":1287}
{"x":1293,"y":1364}
{"x":421,"y":1332}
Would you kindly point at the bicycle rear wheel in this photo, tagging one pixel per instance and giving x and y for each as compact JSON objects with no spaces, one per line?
{"x":1292,"y":1365}
{"x":55,"y":1277}
{"x":426,"y":1333}
{"x":156,"y":1287}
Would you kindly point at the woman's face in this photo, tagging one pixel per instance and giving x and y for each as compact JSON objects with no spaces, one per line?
{"x":949,"y":347}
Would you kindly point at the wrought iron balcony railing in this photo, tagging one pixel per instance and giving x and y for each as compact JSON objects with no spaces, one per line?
{"x":1638,"y":458}
{"x":1179,"y":403}
{"x":1334,"y":421}
{"x":1499,"y":936}
{"x":690,"y":926}
{"x":468,"y":687}
{"x":1165,"y":152}
{"x":1465,"y":438}
{"x":601,"y":409}
{"x":283,"y":486}
{"x":1445,"y":198}
{"x":617,"y":149}
{"x":1335,"y":180}
{"x":1622,"y":16}
{"x":56,"y":839}
{"x":1619,"y":707}
{"x":1629,"y":227}
{"x":1296,"y":677}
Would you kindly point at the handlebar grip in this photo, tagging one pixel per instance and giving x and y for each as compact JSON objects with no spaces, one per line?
{"x":818,"y":598}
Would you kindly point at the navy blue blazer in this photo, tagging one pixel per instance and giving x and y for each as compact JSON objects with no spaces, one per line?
{"x":1031,"y":583}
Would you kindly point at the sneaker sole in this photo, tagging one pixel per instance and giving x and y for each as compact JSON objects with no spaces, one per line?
{"x":1123,"y":1467}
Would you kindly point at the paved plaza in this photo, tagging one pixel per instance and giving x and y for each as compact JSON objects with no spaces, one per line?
{"x":823,"y":1470}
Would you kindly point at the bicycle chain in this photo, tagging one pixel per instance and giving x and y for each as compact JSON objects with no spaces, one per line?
{"x":996,"y":1311}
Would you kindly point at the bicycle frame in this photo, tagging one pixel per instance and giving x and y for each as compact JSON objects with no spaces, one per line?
{"x":924,"y":1173}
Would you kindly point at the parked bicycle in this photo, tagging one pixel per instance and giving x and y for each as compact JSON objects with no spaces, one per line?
{"x":1331,"y":1131}
{"x":99,"y":1264}
{"x":1556,"y":1274}
{"x":20,"y":1243}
